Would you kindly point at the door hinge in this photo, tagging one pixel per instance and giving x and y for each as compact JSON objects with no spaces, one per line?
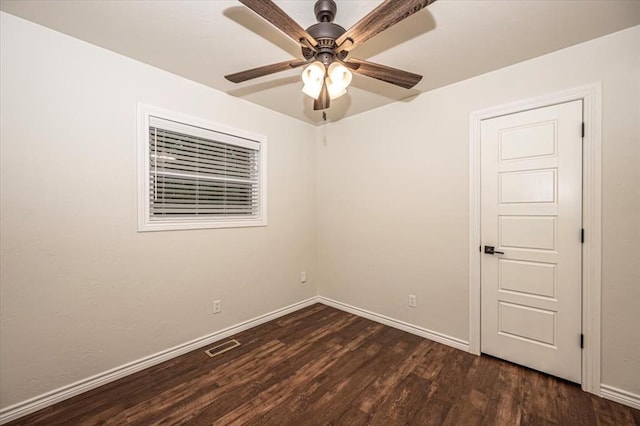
{"x":582,"y":235}
{"x":480,"y":249}
{"x":581,"y":341}
{"x":583,"y":130}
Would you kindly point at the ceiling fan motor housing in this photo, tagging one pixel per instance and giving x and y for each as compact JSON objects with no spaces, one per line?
{"x":325,"y":32}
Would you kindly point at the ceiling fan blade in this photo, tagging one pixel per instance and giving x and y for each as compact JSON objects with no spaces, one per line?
{"x":241,"y":76}
{"x":389,"y":13}
{"x":279,"y":19}
{"x":391,"y":75}
{"x":323,"y":101}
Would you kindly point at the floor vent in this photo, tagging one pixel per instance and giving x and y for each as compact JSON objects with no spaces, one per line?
{"x":222,"y":348}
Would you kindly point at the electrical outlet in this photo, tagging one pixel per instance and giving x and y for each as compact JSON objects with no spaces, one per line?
{"x":217,"y":306}
{"x":303,"y":277}
{"x":413,"y":301}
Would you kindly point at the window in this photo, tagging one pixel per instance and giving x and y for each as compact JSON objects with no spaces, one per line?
{"x":195,"y":174}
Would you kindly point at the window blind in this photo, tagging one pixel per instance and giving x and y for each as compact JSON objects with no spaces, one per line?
{"x":196,"y":172}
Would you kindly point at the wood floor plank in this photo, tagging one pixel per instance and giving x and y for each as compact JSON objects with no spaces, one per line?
{"x":446,"y":387}
{"x":339,"y":394}
{"x":474,"y":400}
{"x":322,"y":366}
{"x":610,"y":415}
{"x":382,"y":386}
{"x":400,"y":405}
{"x":322,"y":387}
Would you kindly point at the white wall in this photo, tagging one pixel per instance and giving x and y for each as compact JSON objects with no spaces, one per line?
{"x":82,"y":291}
{"x":393,"y":196}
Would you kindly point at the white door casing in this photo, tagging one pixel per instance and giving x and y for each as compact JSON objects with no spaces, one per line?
{"x":531,"y":209}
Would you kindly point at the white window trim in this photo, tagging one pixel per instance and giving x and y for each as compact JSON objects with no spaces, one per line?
{"x":144,"y":215}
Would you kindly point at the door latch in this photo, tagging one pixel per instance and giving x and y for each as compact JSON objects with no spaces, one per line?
{"x":491,"y":250}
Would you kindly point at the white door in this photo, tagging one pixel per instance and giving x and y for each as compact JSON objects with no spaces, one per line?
{"x":531,"y":288}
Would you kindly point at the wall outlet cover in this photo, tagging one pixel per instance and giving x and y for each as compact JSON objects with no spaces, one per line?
{"x":413,"y":301}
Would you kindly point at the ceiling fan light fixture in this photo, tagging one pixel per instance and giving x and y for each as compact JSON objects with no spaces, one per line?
{"x":328,"y":45}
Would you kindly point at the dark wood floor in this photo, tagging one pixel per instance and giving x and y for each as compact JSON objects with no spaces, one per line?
{"x":323,"y":366}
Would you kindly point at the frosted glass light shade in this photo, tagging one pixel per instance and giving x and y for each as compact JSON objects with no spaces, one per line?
{"x":313,"y":78}
{"x":335,"y":90}
{"x":314,"y":73}
{"x":339,"y":74}
{"x":312,"y":89}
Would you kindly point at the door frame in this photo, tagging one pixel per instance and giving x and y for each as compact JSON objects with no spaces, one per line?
{"x":591,"y":219}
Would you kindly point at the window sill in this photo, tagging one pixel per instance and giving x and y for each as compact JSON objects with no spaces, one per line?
{"x":179,"y":225}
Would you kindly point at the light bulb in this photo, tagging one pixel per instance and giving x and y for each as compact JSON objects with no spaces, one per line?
{"x":339,"y":75}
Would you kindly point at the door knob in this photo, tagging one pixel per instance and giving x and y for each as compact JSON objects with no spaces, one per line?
{"x":491,"y":250}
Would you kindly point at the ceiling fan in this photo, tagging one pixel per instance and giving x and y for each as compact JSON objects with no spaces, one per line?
{"x":326,"y":46}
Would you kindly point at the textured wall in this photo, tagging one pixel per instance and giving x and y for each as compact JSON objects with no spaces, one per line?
{"x":81,"y":291}
{"x":393,"y":196}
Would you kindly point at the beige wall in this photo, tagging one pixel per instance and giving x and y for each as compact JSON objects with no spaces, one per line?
{"x":81,"y":291}
{"x":393,"y":196}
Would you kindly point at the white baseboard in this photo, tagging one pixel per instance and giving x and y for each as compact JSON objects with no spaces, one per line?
{"x":621,"y":396}
{"x":609,"y":392}
{"x":45,"y":400}
{"x":32,"y":405}
{"x":400,"y":325}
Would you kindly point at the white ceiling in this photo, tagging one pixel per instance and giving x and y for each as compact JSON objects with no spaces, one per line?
{"x":449,"y":41}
